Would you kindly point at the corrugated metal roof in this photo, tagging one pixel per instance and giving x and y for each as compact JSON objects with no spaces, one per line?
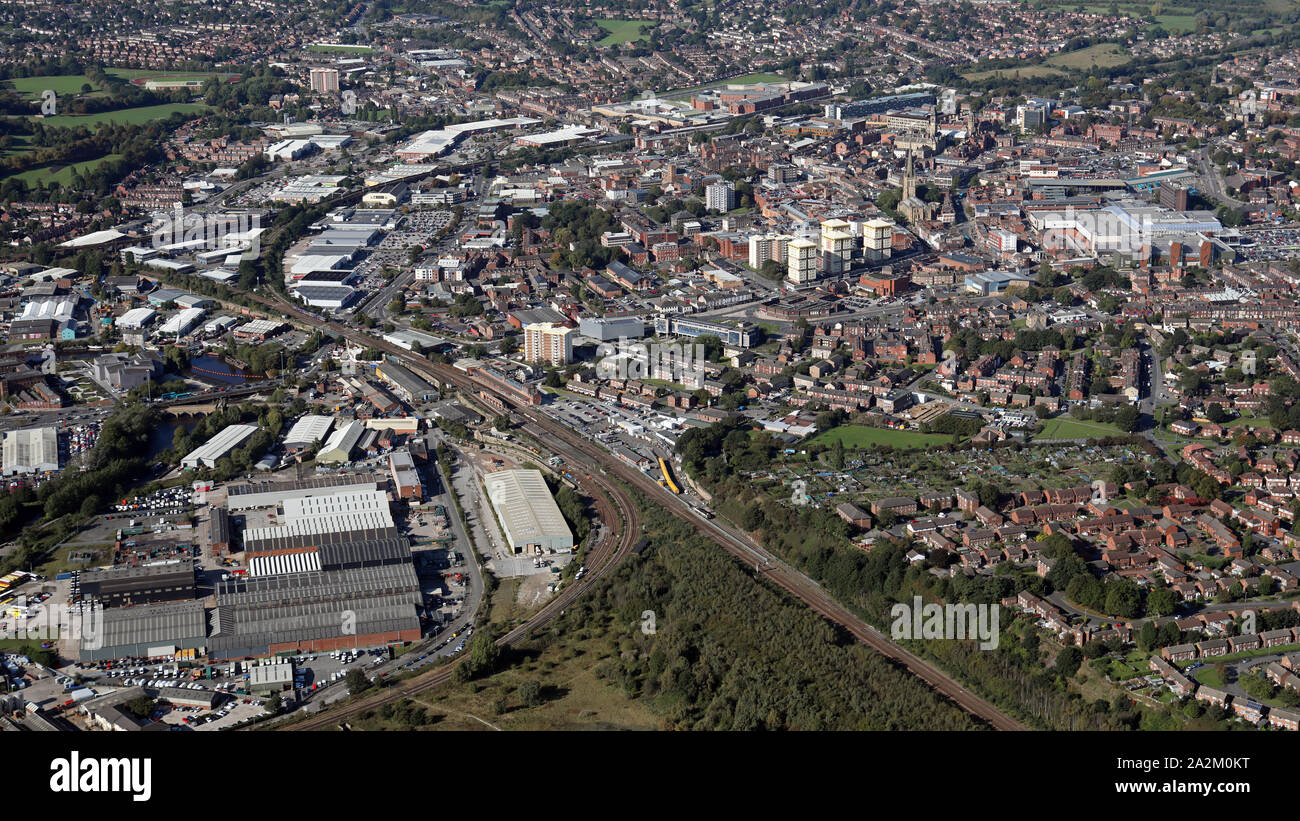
{"x":526,"y":509}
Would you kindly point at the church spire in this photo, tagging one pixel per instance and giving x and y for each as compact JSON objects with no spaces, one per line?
{"x":909,"y":178}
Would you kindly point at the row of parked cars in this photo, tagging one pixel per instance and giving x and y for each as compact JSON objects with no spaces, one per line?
{"x":160,"y":682}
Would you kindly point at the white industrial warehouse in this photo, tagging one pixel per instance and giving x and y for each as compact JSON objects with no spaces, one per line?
{"x":268,"y":494}
{"x":308,"y":515}
{"x":527,"y":512}
{"x":207,"y":454}
{"x":181,"y":322}
{"x":136,"y":318}
{"x":31,"y":450}
{"x":307,"y":431}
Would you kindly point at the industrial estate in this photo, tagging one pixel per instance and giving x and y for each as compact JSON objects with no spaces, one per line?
{"x":650,"y":365}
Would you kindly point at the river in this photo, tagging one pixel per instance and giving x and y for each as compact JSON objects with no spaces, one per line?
{"x":213,"y":370}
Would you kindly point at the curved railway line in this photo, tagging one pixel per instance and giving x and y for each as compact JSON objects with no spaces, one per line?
{"x":614,"y":544}
{"x":567,"y":442}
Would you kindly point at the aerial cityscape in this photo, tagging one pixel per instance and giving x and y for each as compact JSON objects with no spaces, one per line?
{"x":650,"y":365}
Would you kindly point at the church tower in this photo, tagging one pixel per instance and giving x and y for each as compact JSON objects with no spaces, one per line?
{"x":909,"y":178}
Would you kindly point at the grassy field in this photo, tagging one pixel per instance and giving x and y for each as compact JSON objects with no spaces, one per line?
{"x":860,"y":436}
{"x":1019,"y":72}
{"x":1063,"y":427}
{"x":126,"y":116}
{"x":1102,"y":54}
{"x":153,"y":74}
{"x":64,"y":85}
{"x":339,"y":48}
{"x":62,"y":174}
{"x":621,"y":31}
{"x":1177,"y":23}
{"x":1209,"y":677}
{"x":69,"y":85}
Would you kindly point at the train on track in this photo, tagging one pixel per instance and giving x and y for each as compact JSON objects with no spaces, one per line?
{"x":667,"y":481}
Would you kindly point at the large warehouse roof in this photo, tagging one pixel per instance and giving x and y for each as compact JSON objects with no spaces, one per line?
{"x":252,"y":614}
{"x":136,"y":318}
{"x":526,"y":510}
{"x":328,"y":513}
{"x":307,"y":430}
{"x":207,"y":454}
{"x":30,"y":450}
{"x":256,"y":537}
{"x":352,"y":503}
{"x":135,"y":631}
{"x":332,"y":555}
{"x":265,"y":494}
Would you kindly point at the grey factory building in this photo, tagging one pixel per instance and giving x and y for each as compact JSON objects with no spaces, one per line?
{"x":315,"y":611}
{"x":143,"y":584}
{"x":145,"y":631}
{"x":269,"y":494}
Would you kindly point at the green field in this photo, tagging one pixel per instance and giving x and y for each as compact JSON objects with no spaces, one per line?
{"x":1063,"y":427}
{"x":153,"y":74}
{"x":621,"y":31}
{"x":64,"y":85}
{"x":69,"y":85}
{"x":126,"y":116}
{"x":62,"y":174}
{"x":1177,"y":22}
{"x":861,"y":436}
{"x":1019,"y":72}
{"x":339,"y":48}
{"x":1104,"y":55}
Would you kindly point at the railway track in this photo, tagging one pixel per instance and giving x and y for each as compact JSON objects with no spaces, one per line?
{"x":563,"y":439}
{"x":614,"y":545}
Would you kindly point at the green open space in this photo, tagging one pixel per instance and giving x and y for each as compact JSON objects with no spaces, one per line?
{"x":1063,"y":427}
{"x":619,"y":31}
{"x":64,"y":85}
{"x":69,"y":85}
{"x":62,"y":174}
{"x":861,"y":436}
{"x":1102,"y":54}
{"x":125,"y":116}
